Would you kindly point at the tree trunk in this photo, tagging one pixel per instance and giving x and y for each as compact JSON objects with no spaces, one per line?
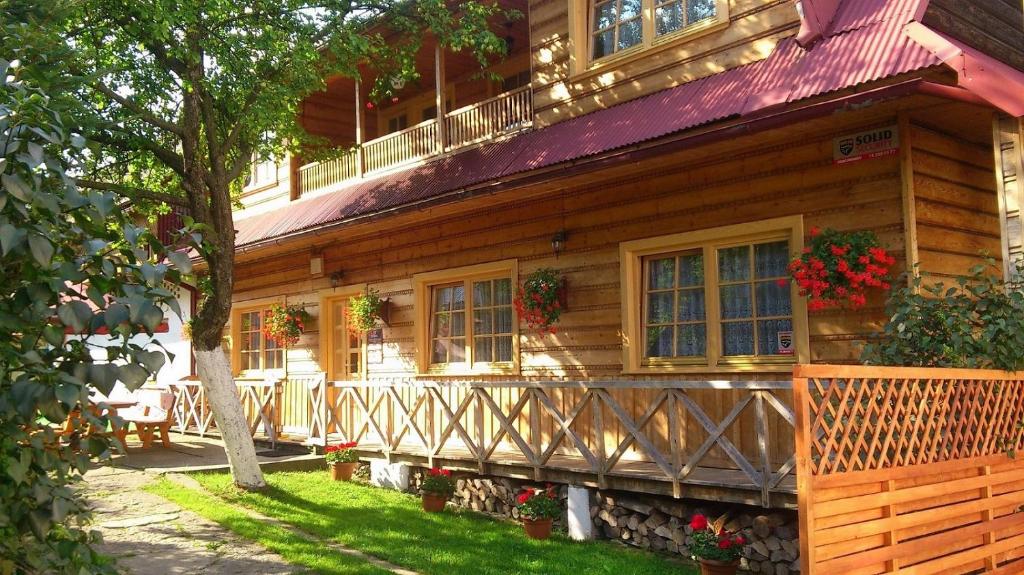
{"x":215,"y":374}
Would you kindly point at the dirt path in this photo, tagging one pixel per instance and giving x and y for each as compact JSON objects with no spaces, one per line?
{"x":151,"y":536}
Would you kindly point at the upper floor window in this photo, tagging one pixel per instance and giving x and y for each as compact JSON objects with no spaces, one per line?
{"x":617,"y":26}
{"x":515,"y":81}
{"x":399,"y":123}
{"x":262,"y":172}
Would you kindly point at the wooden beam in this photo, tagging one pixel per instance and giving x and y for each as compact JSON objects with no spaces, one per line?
{"x":439,"y":98}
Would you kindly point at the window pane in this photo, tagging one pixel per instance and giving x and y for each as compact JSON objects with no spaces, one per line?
{"x":768,"y":335}
{"x":504,"y":321}
{"x":736,"y":302}
{"x":691,"y":305}
{"x":604,"y":15}
{"x":458,"y":297}
{"x":770,"y":260}
{"x":483,"y":322}
{"x":697,"y":10}
{"x":442,"y":298}
{"x":442,"y":325}
{"x":659,"y":341}
{"x":659,"y":307}
{"x":734,"y":264}
{"x":662,"y":273}
{"x":738,"y":338}
{"x":691,"y":270}
{"x":481,"y":293}
{"x":773,"y":299}
{"x":503,"y":292}
{"x":440,"y":353}
{"x":458,"y":323}
{"x":630,"y":9}
{"x":483,"y":349}
{"x":668,"y":18}
{"x":603,"y":43}
{"x":691,"y":340}
{"x":457,"y":351}
{"x":503,"y":348}
{"x":630,"y":33}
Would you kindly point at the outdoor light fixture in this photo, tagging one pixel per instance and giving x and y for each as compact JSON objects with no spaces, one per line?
{"x":397,"y":82}
{"x":336,"y":279}
{"x":558,"y":241}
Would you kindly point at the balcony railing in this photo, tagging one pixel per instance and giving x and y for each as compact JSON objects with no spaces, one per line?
{"x":502,"y":114}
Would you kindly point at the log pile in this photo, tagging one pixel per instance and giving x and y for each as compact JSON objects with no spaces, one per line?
{"x":658,"y":524}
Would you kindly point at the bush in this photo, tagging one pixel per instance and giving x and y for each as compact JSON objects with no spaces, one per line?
{"x":978,"y":322}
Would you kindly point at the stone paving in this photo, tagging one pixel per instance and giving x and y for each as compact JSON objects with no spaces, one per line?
{"x":150,"y":536}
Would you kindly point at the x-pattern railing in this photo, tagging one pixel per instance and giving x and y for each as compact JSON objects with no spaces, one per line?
{"x":192,"y":412}
{"x":439,"y":419}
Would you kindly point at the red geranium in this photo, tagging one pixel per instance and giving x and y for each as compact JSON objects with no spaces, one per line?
{"x":537,"y":302}
{"x":838,"y":268}
{"x":439,"y":482}
{"x":699,"y":522}
{"x":720,"y":545}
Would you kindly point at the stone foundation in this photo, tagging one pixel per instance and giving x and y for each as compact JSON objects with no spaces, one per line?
{"x":660,"y":524}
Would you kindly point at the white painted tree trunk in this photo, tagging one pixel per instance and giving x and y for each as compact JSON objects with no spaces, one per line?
{"x":215,"y":374}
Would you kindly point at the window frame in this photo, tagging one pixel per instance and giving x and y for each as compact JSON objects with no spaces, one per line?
{"x":633,"y":267}
{"x":422,"y":289}
{"x":236,"y":341}
{"x":581,"y":16}
{"x":328,"y":298}
{"x":255,"y":185}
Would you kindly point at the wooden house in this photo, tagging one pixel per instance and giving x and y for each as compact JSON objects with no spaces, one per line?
{"x":667,"y":158}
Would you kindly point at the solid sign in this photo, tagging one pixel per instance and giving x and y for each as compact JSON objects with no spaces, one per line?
{"x":866,"y":145}
{"x":785,"y":342}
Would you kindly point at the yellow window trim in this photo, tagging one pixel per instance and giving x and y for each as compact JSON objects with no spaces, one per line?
{"x":581,"y":65}
{"x":236,"y":332}
{"x":326,"y":326}
{"x":421,"y":292}
{"x":631,"y":256}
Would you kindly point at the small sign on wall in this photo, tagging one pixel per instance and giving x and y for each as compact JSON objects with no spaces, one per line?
{"x":866,"y":145}
{"x":375,"y":346}
{"x":785,"y":343}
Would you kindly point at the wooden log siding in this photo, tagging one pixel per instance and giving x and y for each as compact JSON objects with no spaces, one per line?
{"x":906,"y":470}
{"x":568,"y":425}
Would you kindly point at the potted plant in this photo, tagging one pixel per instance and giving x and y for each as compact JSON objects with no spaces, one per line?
{"x":284,"y":325}
{"x":437,"y":487}
{"x":718,"y":552}
{"x":342,"y":459}
{"x":538,"y":509}
{"x":838,"y":269}
{"x":365,"y":310}
{"x":541,"y":300}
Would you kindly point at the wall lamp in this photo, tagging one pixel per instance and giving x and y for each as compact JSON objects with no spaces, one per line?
{"x":558,"y":242}
{"x":336,"y":279}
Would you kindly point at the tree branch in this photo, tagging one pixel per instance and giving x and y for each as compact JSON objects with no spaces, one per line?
{"x":135,"y":193}
{"x":139,"y":111}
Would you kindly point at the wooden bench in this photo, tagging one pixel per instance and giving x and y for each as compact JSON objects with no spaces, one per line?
{"x":153,"y":413}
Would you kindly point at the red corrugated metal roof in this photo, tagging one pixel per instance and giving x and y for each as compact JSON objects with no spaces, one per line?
{"x":866,"y":43}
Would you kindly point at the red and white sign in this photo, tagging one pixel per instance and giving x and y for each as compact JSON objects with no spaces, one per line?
{"x":866,"y":145}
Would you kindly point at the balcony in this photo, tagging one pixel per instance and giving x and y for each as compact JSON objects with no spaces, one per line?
{"x":503,"y":114}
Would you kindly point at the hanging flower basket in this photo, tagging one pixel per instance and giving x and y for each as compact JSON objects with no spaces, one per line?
{"x":541,"y":300}
{"x":284,"y":325}
{"x":365,"y":310}
{"x":839,"y":269}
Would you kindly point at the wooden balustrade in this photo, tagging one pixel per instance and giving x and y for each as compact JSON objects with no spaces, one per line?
{"x":319,"y":175}
{"x":504,"y":113}
{"x":725,"y":434}
{"x":501,"y":114}
{"x":192,"y":411}
{"x":909,"y":470}
{"x":415,"y":143}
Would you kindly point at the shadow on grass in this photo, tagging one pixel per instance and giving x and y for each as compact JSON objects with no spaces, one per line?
{"x":392,"y":526}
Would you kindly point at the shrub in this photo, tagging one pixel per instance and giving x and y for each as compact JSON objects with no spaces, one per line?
{"x":978,"y":322}
{"x":715,"y":545}
{"x":438,"y":482}
{"x":534,"y":504}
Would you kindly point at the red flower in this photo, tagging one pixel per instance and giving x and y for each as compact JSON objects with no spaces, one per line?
{"x":739,"y":540}
{"x":837,"y":250}
{"x":815,"y":231}
{"x":724,"y":544}
{"x":523,"y":497}
{"x":699,"y":522}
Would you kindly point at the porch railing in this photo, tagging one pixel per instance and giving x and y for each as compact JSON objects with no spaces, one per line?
{"x":724,"y":434}
{"x":505,"y":113}
{"x":192,"y":411}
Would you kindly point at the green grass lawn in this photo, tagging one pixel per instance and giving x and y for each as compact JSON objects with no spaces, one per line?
{"x":392,"y":526}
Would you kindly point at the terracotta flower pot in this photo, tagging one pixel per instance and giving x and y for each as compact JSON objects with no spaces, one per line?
{"x":537,"y":528}
{"x":343,"y":471}
{"x":434,"y":502}
{"x":712,"y":567}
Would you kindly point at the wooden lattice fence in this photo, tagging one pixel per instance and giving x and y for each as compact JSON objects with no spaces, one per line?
{"x":909,"y":470}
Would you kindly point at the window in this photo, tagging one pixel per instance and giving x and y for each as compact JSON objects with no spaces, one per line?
{"x":468,"y":324}
{"x":262,"y":173}
{"x":606,"y":28}
{"x":714,"y":299}
{"x":255,"y":351}
{"x":515,"y":81}
{"x":398,"y":123}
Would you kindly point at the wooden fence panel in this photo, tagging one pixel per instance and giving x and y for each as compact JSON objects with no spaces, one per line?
{"x":909,"y":470}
